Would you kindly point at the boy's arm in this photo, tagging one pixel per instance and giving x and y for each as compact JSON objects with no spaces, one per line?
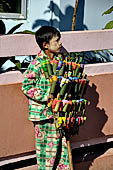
{"x":30,"y":84}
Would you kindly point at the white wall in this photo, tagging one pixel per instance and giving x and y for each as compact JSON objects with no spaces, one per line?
{"x":89,"y":15}
{"x":93,"y":13}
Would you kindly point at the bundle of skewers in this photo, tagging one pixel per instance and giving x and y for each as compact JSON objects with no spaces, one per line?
{"x":68,"y":86}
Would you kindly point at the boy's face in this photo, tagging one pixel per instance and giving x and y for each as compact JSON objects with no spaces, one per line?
{"x":54,"y":45}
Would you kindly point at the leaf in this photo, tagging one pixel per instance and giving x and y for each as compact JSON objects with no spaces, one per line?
{"x":110,"y":10}
{"x":14,"y":28}
{"x":25,"y":32}
{"x":109,"y":25}
{"x":18,"y":64}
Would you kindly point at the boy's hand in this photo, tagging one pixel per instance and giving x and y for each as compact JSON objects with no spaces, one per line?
{"x":50,"y":98}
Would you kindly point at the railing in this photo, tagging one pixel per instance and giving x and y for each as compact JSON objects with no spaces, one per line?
{"x":16,"y":132}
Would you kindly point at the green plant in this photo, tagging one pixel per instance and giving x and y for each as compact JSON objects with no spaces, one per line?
{"x":3,"y":31}
{"x":18,"y":64}
{"x":109,"y":25}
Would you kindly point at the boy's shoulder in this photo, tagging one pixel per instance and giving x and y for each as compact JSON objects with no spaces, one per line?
{"x":37,"y":60}
{"x":40,"y":56}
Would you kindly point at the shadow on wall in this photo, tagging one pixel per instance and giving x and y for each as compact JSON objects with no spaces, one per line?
{"x":84,"y":157}
{"x":64,"y":21}
{"x":96,"y":117}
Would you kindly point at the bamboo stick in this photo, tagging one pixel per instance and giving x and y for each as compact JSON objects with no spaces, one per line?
{"x":70,"y":155}
{"x":68,"y":141}
{"x":74,"y":15}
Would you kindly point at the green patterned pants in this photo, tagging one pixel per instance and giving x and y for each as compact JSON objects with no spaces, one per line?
{"x":51,"y":149}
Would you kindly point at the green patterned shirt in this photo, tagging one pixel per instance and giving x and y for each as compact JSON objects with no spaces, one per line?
{"x":36,"y":87}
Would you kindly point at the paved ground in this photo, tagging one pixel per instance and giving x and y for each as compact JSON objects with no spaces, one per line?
{"x":98,"y":157}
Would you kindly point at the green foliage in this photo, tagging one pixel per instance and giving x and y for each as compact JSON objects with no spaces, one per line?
{"x":109,"y":25}
{"x":17,"y":63}
{"x":3,"y":31}
{"x":26,"y":32}
{"x":14,"y":28}
{"x":109,"y":11}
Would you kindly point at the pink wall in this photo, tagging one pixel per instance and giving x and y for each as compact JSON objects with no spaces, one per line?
{"x":16,"y":132}
{"x":24,"y":44}
{"x":99,"y":126}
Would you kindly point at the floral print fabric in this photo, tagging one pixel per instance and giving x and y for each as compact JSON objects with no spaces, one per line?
{"x":51,"y":149}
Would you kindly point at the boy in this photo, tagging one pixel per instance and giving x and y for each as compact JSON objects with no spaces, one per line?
{"x":51,"y":148}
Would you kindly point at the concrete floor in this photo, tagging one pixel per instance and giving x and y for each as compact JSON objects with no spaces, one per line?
{"x":98,"y":157}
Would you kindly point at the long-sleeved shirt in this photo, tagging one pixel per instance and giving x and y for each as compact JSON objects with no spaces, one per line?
{"x":36,"y":87}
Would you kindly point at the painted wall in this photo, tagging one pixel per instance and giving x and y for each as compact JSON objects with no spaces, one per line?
{"x":35,"y":13}
{"x":59,"y":14}
{"x":17,"y":132}
{"x":93,"y":13}
{"x":89,"y":15}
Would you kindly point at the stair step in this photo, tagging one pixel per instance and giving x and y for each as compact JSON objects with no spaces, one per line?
{"x":102,"y":162}
{"x":95,"y":157}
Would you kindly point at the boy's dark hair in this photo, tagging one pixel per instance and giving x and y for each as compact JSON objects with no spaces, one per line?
{"x":45,"y":34}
